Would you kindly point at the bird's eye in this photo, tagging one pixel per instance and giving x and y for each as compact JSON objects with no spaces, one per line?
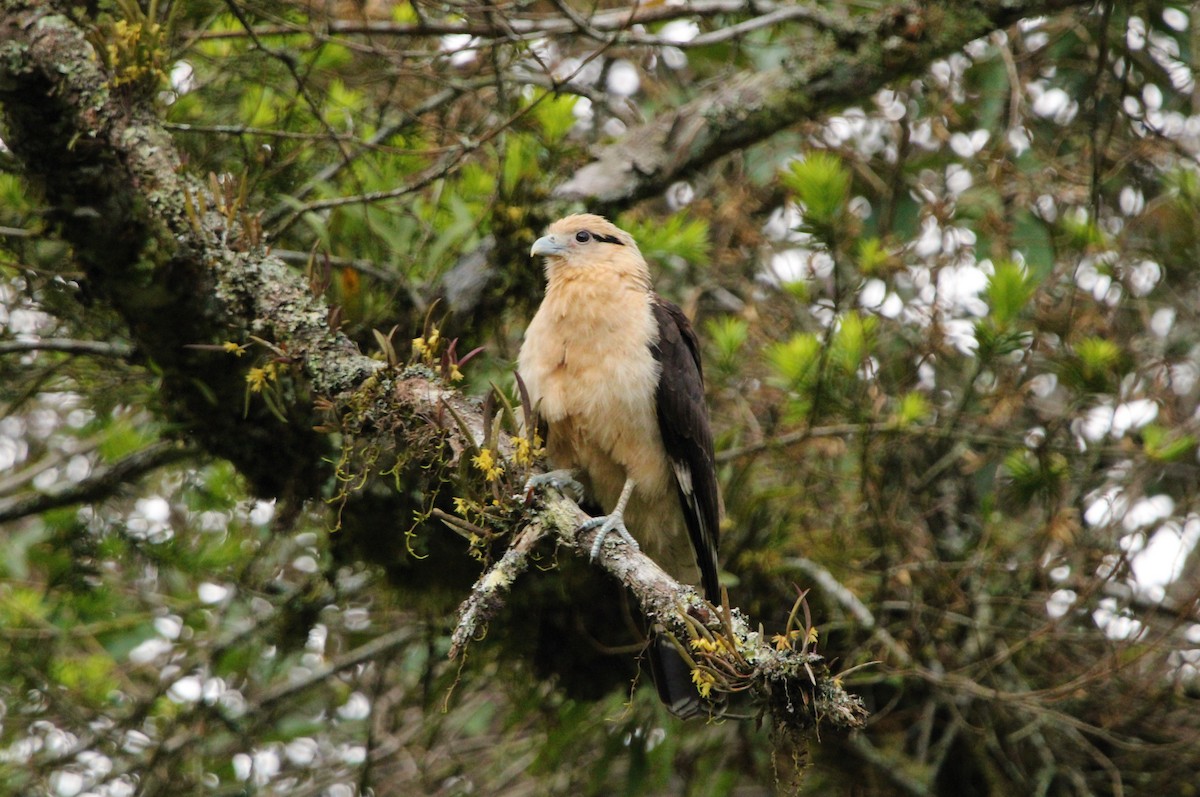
{"x":582,"y":236}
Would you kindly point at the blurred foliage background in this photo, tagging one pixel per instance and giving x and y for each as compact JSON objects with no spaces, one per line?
{"x":951,"y":343}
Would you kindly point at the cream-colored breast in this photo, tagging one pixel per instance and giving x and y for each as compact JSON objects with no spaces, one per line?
{"x":587,"y":364}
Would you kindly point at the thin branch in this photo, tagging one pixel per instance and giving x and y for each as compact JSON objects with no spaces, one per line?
{"x":844,"y":596}
{"x":363,"y":266}
{"x":377,"y":647}
{"x":383,"y":134}
{"x":102,"y":483}
{"x":525,"y":27}
{"x":93,"y":348}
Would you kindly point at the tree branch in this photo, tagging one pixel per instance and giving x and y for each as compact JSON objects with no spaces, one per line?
{"x":169,"y":253}
{"x":789,"y":681}
{"x":94,"y":348}
{"x":101,"y":483}
{"x":898,"y":41}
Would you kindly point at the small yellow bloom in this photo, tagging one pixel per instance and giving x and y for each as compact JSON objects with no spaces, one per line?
{"x":460,"y":506}
{"x":420,"y":347}
{"x":785,"y":642}
{"x":717,"y":646}
{"x":486,"y":462}
{"x":258,"y":378}
{"x":704,"y":681}
{"x":521,"y":451}
{"x":525,"y":451}
{"x":812,"y":635}
{"x":455,"y":374}
{"x":235,"y":349}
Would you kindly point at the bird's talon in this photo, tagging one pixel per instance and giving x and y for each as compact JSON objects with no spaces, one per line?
{"x":561,"y":480}
{"x":607,"y":524}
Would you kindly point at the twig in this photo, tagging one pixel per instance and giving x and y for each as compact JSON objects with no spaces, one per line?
{"x":90,"y":347}
{"x":100,"y":484}
{"x":366,"y":652}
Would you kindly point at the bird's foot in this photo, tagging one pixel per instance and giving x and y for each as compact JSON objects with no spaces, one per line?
{"x":561,"y":480}
{"x":608,"y":524}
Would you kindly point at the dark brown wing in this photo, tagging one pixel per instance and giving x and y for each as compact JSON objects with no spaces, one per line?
{"x":687,"y":437}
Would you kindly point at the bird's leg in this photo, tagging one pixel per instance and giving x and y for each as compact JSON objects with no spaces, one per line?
{"x":562,"y":480}
{"x":614,"y":521}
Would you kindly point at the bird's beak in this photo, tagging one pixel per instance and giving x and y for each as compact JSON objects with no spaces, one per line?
{"x":548,"y":246}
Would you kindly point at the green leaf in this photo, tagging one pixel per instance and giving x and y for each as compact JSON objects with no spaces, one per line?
{"x":914,"y":407}
{"x":519,"y":164}
{"x":1082,"y":232}
{"x":556,"y":116}
{"x":873,"y":257}
{"x":995,"y":342}
{"x":852,"y":342}
{"x":1098,"y":358}
{"x":91,"y":674}
{"x":1008,"y":293}
{"x":122,"y":438}
{"x":794,"y":362}
{"x":1030,"y":477}
{"x":1163,"y":445}
{"x":821,"y":184}
{"x":677,"y":236}
{"x":728,"y":335}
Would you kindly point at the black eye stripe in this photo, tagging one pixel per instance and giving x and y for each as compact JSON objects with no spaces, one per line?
{"x":603,"y":239}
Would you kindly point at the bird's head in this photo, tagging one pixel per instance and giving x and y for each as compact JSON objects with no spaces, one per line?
{"x":586,"y":241}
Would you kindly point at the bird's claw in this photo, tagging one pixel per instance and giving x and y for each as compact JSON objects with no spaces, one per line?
{"x":561,"y":480}
{"x":608,"y":524}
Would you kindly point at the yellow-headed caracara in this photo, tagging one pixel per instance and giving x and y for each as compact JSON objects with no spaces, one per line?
{"x":614,"y":372}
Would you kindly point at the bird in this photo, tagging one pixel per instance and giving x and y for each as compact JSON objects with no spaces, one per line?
{"x":613,"y":371}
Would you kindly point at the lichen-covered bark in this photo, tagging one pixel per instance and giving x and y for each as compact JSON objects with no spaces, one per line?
{"x":113,"y":182}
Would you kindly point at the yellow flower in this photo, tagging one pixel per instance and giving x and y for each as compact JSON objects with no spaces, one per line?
{"x":717,"y":646}
{"x":258,"y":378}
{"x":486,"y":462}
{"x":420,"y":347}
{"x":233,"y":348}
{"x":461,"y":507}
{"x":455,"y":374}
{"x":521,"y":451}
{"x":704,"y":681}
{"x":525,"y":451}
{"x":812,"y":635}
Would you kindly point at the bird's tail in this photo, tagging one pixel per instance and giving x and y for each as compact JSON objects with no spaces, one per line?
{"x":673,"y":679}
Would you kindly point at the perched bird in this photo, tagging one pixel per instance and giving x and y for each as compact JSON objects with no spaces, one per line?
{"x":614,"y":372}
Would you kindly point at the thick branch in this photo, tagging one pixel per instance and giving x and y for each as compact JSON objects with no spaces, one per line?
{"x":169,"y":254}
{"x":792,"y":683}
{"x":899,"y":41}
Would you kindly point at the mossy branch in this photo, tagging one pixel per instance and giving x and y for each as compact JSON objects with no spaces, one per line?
{"x":790,"y":682}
